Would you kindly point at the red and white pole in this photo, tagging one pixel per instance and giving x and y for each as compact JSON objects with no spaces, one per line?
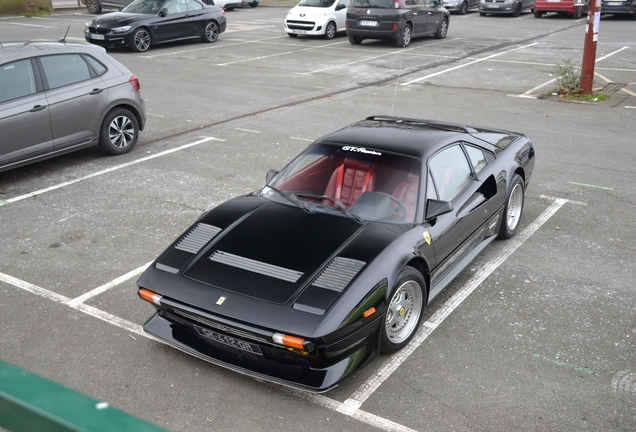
{"x":589,"y":49}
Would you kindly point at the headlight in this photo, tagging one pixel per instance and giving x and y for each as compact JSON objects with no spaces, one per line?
{"x":121,"y":29}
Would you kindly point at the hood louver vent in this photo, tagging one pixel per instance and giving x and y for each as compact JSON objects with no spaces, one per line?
{"x":256,"y":266}
{"x":198,"y":237}
{"x":338,"y":274}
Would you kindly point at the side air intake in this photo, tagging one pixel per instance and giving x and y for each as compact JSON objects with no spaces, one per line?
{"x":338,"y":274}
{"x":198,"y":237}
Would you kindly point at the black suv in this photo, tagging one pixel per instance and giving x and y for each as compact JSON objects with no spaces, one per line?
{"x":397,"y":20}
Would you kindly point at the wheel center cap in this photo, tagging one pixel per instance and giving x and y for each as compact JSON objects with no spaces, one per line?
{"x":401,"y":311}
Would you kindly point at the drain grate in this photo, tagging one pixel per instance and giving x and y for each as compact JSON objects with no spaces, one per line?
{"x":613,"y":87}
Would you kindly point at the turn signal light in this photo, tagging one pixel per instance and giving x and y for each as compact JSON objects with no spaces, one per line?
{"x":368,"y":312}
{"x":289,"y":341}
{"x":149,"y":296}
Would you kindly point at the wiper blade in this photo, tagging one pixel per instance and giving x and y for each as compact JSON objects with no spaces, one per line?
{"x":337,"y":204}
{"x":291,"y":198}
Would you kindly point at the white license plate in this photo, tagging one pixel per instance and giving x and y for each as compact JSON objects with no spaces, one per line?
{"x":369,"y":23}
{"x":96,"y":36}
{"x":614,"y":3}
{"x":494,"y":6}
{"x":299,"y":31}
{"x":228,"y":340}
{"x":553,"y":1}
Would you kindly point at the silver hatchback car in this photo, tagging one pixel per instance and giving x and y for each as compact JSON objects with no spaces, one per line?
{"x":58,"y":97}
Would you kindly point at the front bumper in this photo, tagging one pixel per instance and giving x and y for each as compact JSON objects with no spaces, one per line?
{"x":621,"y":8}
{"x":496,"y":8}
{"x":376,"y":33}
{"x":317,"y":372}
{"x":109,"y":41}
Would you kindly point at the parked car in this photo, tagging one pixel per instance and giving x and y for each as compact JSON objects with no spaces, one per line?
{"x":58,"y":97}
{"x":504,"y":7}
{"x":461,"y":6}
{"x":572,"y":8}
{"x":144,"y":23}
{"x":317,"y":17}
{"x":250,"y":3}
{"x":96,"y":6}
{"x":624,"y":8}
{"x":308,"y":279}
{"x":228,"y":5}
{"x":396,"y":20}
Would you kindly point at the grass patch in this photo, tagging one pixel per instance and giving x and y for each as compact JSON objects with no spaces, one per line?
{"x":568,"y":81}
{"x":40,"y":12}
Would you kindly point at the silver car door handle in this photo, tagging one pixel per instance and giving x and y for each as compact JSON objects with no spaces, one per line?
{"x":96,"y":91}
{"x":37,"y":108}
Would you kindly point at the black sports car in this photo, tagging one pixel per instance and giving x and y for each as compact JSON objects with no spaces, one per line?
{"x":308,"y":279}
{"x":148,"y":22}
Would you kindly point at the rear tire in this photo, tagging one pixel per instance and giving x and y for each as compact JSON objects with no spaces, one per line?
{"x":513,"y":208}
{"x":355,"y":40}
{"x":517,"y":10}
{"x":211,"y":32}
{"x":404,"y":310}
{"x":538,"y":14}
{"x":405,"y":38}
{"x":578,"y":13}
{"x":442,"y":30}
{"x":463,"y":9}
{"x":482,"y":13}
{"x":93,"y":6}
{"x":119,"y":132}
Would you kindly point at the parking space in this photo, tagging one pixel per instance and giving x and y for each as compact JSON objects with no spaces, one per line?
{"x":538,"y":333}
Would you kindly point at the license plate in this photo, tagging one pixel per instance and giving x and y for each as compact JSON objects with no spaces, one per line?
{"x":228,"y":340}
{"x":614,"y":3}
{"x":299,"y":31}
{"x":369,"y":23}
{"x":96,"y":36}
{"x":495,"y":6}
{"x":553,"y":1}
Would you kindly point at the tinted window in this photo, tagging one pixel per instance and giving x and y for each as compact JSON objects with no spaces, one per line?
{"x":450,"y":171}
{"x":477,"y":158}
{"x":17,"y":80}
{"x":99,"y":68}
{"x":376,"y":4}
{"x":144,"y":6}
{"x":65,"y":69}
{"x":192,"y":5}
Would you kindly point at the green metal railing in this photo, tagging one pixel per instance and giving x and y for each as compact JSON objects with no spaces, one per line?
{"x":31,"y":403}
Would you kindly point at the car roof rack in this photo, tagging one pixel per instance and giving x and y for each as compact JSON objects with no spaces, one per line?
{"x":429,"y":123}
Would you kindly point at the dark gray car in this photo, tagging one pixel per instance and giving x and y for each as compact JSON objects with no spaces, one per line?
{"x":58,"y":97}
{"x":95,"y":6}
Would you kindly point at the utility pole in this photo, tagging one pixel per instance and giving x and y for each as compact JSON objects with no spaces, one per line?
{"x":589,"y":48}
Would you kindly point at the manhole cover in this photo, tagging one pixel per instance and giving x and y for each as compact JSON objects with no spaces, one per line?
{"x":624,"y":382}
{"x":613,"y":87}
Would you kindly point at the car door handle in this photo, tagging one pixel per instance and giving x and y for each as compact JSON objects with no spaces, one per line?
{"x":37,"y":108}
{"x":96,"y":91}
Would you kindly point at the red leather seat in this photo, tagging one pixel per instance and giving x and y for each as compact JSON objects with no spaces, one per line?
{"x":350,"y":180}
{"x":406,"y":192}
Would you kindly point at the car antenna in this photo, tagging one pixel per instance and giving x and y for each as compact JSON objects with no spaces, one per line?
{"x":64,"y":38}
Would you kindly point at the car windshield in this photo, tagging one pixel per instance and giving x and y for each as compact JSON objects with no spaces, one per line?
{"x":317,"y":3}
{"x":374,"y":4}
{"x":350,"y":181}
{"x":144,"y":7}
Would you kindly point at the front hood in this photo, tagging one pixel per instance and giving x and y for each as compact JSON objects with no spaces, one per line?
{"x":272,"y":252}
{"x":114,"y":19}
{"x":307,"y":13}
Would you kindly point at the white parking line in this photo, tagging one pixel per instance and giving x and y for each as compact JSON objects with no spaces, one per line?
{"x":466,"y":64}
{"x":28,"y":25}
{"x":350,"y":407}
{"x":105,"y":171}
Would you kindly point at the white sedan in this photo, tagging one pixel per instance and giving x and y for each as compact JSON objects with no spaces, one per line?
{"x":317,"y":17}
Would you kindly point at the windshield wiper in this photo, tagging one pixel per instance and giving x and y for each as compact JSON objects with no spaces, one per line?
{"x":291,"y":198}
{"x":337,"y":204}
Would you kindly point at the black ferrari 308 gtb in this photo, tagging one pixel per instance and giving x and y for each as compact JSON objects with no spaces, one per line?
{"x":308,"y":279}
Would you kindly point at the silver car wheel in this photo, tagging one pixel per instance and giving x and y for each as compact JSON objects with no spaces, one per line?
{"x":403,"y":312}
{"x":142,"y":40}
{"x":93,"y":6}
{"x":211,"y":32}
{"x":121,"y":132}
{"x":515,"y":205}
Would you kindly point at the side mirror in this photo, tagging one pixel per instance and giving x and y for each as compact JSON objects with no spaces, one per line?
{"x":164,"y":12}
{"x":270,"y":175}
{"x":440,"y":2}
{"x":436,"y":208}
{"x":341,"y":7}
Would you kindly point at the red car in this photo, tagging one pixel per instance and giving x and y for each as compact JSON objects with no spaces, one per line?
{"x":572,"y":8}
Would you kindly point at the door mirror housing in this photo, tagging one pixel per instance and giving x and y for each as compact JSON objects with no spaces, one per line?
{"x":435,"y":208}
{"x":270,"y":175}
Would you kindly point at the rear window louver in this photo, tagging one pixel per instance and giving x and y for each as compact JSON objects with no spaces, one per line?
{"x":198,"y":237}
{"x":338,"y":274}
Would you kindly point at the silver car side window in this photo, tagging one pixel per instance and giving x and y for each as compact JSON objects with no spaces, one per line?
{"x":17,"y":80}
{"x":64,"y":69}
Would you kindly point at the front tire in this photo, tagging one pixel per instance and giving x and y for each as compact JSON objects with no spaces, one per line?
{"x":463,"y":9}
{"x":93,"y":6}
{"x":141,"y":40}
{"x":442,"y":30}
{"x":330,"y":30}
{"x":513,"y":209}
{"x":292,"y":35}
{"x":517,"y":11}
{"x":404,"y":310}
{"x":119,"y":132}
{"x":405,"y":38}
{"x":211,"y":32}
